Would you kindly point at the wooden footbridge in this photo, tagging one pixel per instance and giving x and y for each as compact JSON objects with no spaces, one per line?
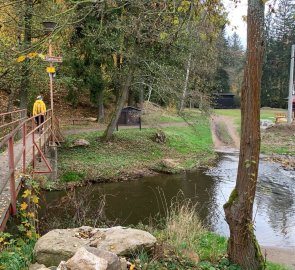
{"x":22,"y":144}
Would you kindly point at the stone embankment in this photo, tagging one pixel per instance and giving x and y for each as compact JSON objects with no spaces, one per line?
{"x":88,"y":248}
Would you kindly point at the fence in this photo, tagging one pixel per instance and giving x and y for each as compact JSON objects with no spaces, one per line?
{"x":19,"y":149}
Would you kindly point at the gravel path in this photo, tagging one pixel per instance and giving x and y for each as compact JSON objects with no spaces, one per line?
{"x":74,"y":131}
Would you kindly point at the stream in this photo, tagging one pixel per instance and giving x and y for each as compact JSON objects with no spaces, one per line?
{"x":142,"y":200}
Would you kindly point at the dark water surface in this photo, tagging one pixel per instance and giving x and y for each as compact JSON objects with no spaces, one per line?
{"x":135,"y":201}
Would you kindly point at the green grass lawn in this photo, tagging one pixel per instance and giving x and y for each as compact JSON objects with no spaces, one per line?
{"x":265,"y":113}
{"x":277,"y":142}
{"x":170,"y":119}
{"x":132,"y":149}
{"x":171,"y":116}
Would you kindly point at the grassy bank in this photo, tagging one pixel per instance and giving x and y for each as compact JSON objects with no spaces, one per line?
{"x":276,"y":140}
{"x":183,"y":243}
{"x":265,"y":113}
{"x":134,"y":152}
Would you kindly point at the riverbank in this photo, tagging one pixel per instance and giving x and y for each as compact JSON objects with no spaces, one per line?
{"x":277,"y":140}
{"x":182,"y":143}
{"x":181,"y":243}
{"x":135,"y":153}
{"x":187,"y":142}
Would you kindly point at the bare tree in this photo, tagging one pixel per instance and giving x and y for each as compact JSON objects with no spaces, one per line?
{"x":243,"y":248}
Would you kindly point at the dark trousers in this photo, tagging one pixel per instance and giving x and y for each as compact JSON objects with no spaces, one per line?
{"x":39,"y":120}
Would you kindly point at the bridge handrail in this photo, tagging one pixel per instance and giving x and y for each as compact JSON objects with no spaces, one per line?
{"x":13,"y":112}
{"x":13,"y":122}
{"x":31,"y":140}
{"x":16,"y":130}
{"x":14,"y":117}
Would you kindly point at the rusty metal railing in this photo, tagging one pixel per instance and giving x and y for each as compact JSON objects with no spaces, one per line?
{"x":10,"y":120}
{"x":18,"y":154}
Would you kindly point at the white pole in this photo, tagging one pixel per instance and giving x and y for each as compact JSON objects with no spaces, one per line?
{"x":290,"y":99}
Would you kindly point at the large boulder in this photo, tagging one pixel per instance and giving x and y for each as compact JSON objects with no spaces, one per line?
{"x":58,"y":245}
{"x":61,"y":244}
{"x":85,"y":260}
{"x":122,"y":241}
{"x":112,"y":259}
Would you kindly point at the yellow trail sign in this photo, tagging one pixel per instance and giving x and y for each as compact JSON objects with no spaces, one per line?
{"x":50,"y":69}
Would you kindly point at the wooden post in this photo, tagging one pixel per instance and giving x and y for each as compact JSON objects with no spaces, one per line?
{"x":33,"y":143}
{"x":24,"y":146}
{"x":12,"y":176}
{"x":51,"y":92}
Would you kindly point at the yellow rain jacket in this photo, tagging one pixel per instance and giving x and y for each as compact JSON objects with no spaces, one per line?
{"x":39,"y":107}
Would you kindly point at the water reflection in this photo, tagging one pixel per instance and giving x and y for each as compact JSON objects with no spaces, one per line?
{"x":274,"y":204}
{"x":136,"y":201}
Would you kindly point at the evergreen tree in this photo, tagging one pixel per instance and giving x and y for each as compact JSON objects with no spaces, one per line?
{"x":221,"y":77}
{"x":280,"y":36}
{"x":236,"y":64}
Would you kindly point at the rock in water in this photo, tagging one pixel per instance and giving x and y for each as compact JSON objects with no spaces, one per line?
{"x":58,"y":245}
{"x":85,"y":260}
{"x":122,"y":241}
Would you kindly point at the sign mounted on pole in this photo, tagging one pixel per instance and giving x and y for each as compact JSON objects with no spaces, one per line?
{"x":53,"y":59}
{"x":50,"y":69}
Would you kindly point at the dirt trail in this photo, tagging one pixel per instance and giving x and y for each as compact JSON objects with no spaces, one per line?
{"x":219,"y":143}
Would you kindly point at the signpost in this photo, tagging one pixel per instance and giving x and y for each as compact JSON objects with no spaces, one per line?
{"x":53,"y":59}
{"x":51,"y":70}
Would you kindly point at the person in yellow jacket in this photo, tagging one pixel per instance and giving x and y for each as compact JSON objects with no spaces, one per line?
{"x":39,"y":111}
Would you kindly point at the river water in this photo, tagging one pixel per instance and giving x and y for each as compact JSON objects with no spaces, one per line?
{"x":136,"y":201}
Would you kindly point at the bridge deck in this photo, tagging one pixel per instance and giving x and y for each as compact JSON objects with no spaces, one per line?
{"x":19,"y":153}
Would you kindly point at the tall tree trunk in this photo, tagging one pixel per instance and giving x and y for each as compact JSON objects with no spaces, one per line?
{"x":100,"y":107}
{"x":141,"y":98}
{"x":243,"y":248}
{"x":121,"y":101}
{"x":189,"y":61}
{"x":25,"y":70}
{"x":181,"y":107}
